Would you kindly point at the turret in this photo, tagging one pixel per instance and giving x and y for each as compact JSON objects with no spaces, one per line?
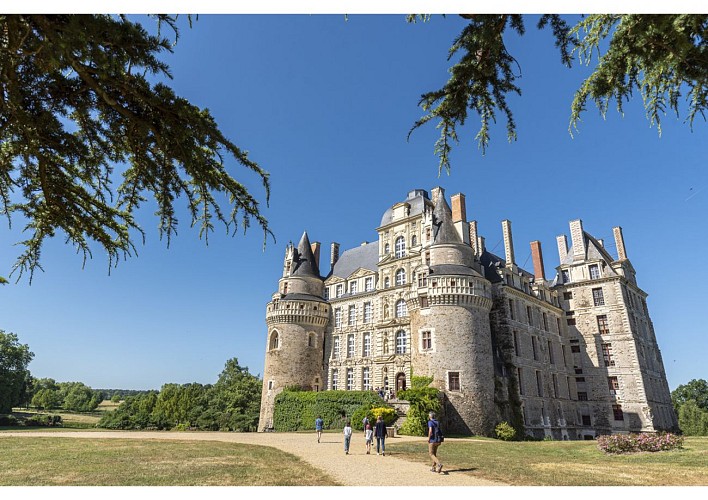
{"x":296,"y":319}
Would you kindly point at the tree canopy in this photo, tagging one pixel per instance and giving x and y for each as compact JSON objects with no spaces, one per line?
{"x":661,"y":57}
{"x":691,"y":404}
{"x":14,"y":375}
{"x":87,"y":138}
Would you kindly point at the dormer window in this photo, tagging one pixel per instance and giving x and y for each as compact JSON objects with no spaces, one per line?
{"x":594,"y":271}
{"x":339,"y":291}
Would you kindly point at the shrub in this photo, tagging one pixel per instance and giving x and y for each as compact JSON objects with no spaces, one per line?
{"x":8,"y":421}
{"x":505,"y":432}
{"x":632,"y":443}
{"x":423,"y":400}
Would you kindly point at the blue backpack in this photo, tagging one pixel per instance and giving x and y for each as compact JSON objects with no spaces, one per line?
{"x":437,"y":432}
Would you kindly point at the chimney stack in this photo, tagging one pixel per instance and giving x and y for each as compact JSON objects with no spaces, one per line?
{"x":315,"y":247}
{"x":619,"y":242}
{"x":480,"y":245}
{"x":508,"y":243}
{"x":334,"y":254}
{"x":473,"y":238}
{"x":577,"y":238}
{"x":537,"y":256}
{"x":459,"y":211}
{"x":562,"y":247}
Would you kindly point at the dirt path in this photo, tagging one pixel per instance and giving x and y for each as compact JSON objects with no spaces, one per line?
{"x":355,"y":469}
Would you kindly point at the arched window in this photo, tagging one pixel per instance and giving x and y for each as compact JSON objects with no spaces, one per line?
{"x":401,"y":341}
{"x":400,"y":247}
{"x":400,"y":277}
{"x":401,"y":309}
{"x":274,"y":341}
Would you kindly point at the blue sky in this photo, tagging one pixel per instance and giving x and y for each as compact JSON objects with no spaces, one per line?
{"x":325,"y":104}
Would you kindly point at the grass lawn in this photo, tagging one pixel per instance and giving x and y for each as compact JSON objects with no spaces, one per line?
{"x":566,"y":463}
{"x":128,"y":462}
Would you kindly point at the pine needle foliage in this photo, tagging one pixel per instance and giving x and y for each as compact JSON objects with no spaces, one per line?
{"x":86,"y":138}
{"x":663,"y":57}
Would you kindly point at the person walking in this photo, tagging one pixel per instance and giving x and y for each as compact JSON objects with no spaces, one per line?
{"x":434,"y":440}
{"x":319,"y":425}
{"x":368,"y":435}
{"x":380,"y":434}
{"x":347,"y":436}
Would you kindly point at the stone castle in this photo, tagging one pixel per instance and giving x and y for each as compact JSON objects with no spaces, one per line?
{"x":572,"y":357}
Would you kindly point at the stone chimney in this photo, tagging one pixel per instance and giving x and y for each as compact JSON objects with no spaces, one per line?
{"x":473,"y":238}
{"x":334,"y":254}
{"x":537,"y":257}
{"x":508,"y":243}
{"x":315,"y":247}
{"x":562,"y":247}
{"x":434,"y":193}
{"x":459,"y":211}
{"x":480,"y":244}
{"x":619,"y":242}
{"x":577,"y":239}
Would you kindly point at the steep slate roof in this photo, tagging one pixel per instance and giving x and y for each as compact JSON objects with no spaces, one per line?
{"x":304,"y":263}
{"x":443,"y":229}
{"x":593,"y":250}
{"x":366,"y":256}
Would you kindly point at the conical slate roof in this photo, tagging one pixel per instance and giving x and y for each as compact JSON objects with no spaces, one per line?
{"x":443,"y":230}
{"x":304,"y":263}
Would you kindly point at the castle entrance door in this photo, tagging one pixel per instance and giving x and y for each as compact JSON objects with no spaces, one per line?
{"x":400,"y":382}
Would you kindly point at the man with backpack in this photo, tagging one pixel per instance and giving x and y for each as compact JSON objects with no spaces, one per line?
{"x":435,"y":437}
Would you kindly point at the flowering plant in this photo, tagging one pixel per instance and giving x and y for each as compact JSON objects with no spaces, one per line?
{"x":632,"y":443}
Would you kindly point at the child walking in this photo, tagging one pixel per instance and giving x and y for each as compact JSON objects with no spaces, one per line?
{"x":369,"y":436}
{"x":347,"y":436}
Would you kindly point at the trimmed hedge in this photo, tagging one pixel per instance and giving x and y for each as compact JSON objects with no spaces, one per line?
{"x":297,"y":410}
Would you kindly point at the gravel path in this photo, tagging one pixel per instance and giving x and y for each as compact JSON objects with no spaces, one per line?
{"x":355,"y":469}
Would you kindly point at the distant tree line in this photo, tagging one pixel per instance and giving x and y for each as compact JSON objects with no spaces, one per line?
{"x":47,"y":394}
{"x":691,"y":405}
{"x":231,"y":404}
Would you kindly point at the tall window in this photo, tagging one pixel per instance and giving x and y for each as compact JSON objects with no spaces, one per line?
{"x":529,"y":314}
{"x":566,"y":276}
{"x":369,"y":284}
{"x":338,"y":318}
{"x":334,"y":380}
{"x":427,"y":340}
{"x":352,"y":315}
{"x":350,"y":379}
{"x":350,"y":346}
{"x":511,"y":308}
{"x":594,"y":271}
{"x":555,"y":385}
{"x":401,"y":309}
{"x":521,"y":381}
{"x":367,"y":312}
{"x":401,"y":341}
{"x":602,"y":325}
{"x":535,"y":349}
{"x":400,"y":277}
{"x":387,"y":248}
{"x":539,"y":384}
{"x":400,"y":247}
{"x":335,"y":348}
{"x":607,"y":354}
{"x":617,"y":412}
{"x":387,"y":282}
{"x":274,"y":341}
{"x":353,"y":287}
{"x":517,"y":349}
{"x":545,"y":322}
{"x":550,"y":353}
{"x":613,"y":384}
{"x":365,"y":377}
{"x":339,"y":291}
{"x":597,"y":297}
{"x":453,"y":381}
{"x":367,"y":344}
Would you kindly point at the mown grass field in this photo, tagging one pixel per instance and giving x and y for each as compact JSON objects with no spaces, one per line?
{"x":50,"y":461}
{"x":566,"y":463}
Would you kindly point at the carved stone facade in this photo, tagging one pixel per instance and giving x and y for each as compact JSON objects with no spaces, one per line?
{"x":571,"y":358}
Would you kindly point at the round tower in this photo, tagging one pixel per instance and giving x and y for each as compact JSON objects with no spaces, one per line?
{"x":452,"y":342}
{"x":296,"y":319}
